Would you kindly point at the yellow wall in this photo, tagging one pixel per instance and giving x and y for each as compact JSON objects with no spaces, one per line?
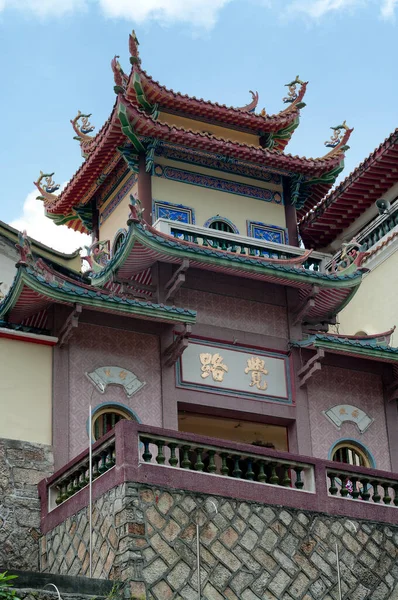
{"x":200,"y":126}
{"x":208,"y":203}
{"x":25,"y":391}
{"x":118,"y":218}
{"x":374,"y":307}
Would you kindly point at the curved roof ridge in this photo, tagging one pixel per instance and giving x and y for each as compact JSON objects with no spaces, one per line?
{"x":327,"y":200}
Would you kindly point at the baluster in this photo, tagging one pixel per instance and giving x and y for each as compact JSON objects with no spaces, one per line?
{"x":109,"y":458}
{"x":95,"y":469}
{"x":252,"y":251}
{"x":147,"y":455}
{"x":343,"y":490}
{"x":186,"y":462}
{"x":233,"y":248}
{"x":355,"y":491}
{"x":205,"y":241}
{"x":243,"y":249}
{"x":64,"y":487}
{"x":69,"y":488}
{"x":199,"y":464}
{"x":395,"y":486}
{"x":262,"y":477}
{"x":59,"y":498}
{"x":376,"y":496}
{"x":249,"y":470}
{"x":194,"y":239}
{"x":286,"y":481}
{"x":173,"y":460}
{"x":212,"y":468}
{"x":160,"y":458}
{"x":224,"y":466}
{"x":237,"y":472}
{"x":299,"y":483}
{"x":75,"y":484}
{"x":386,"y":497}
{"x":365,"y":495}
{"x":333,"y":487}
{"x":223,"y":244}
{"x":101,"y":464}
{"x":87,"y":475}
{"x":274,"y":479}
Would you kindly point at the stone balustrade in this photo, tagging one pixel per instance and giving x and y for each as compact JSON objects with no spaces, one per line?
{"x":77,"y":477}
{"x":139,"y":453}
{"x":239,"y":244}
{"x":365,"y":487}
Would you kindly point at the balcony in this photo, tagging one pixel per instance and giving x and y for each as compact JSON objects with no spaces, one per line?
{"x":239,"y":244}
{"x":170,"y":459}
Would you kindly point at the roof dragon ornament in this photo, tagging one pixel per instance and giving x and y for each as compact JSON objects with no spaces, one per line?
{"x":292,"y":94}
{"x":83,"y":128}
{"x":47,"y":190}
{"x":119,"y":76}
{"x":350,"y":259}
{"x":339,"y":138}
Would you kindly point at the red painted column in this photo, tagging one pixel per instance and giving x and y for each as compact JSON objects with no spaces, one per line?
{"x":290,"y":213}
{"x":145,"y":189}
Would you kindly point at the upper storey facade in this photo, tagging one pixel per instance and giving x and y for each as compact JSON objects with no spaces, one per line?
{"x":192,"y":161}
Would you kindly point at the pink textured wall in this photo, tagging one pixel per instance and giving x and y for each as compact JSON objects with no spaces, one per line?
{"x":235,"y":313}
{"x":92,"y":347}
{"x":334,"y":385}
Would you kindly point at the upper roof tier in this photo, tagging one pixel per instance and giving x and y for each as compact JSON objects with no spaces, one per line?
{"x":277,"y":128}
{"x":352,"y":197}
{"x":138,"y":119}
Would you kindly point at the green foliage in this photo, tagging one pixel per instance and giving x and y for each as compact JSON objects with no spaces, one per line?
{"x":6,"y":591}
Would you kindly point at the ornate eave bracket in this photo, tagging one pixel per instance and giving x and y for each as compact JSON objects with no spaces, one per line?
{"x":69,"y":326}
{"x":311,"y":366}
{"x":176,"y":281}
{"x":176,"y":348}
{"x":305,"y":306}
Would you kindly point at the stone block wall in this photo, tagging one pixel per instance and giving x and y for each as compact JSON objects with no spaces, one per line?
{"x":249,"y":551}
{"x":22,"y":466}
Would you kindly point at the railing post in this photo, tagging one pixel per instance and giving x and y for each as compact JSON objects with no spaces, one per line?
{"x":126,"y":444}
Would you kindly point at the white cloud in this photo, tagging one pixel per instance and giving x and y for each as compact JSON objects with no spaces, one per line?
{"x":318,"y":8}
{"x":44,"y":8}
{"x":388,"y":9}
{"x":202,"y":13}
{"x":41,"y":228}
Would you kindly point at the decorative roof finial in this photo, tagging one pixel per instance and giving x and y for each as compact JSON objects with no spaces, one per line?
{"x":119,"y":76}
{"x":350,"y":260}
{"x":133,"y":48}
{"x":47,"y":191}
{"x":252,"y":105}
{"x":292,"y":94}
{"x":136,"y":210}
{"x":24,"y":248}
{"x":84,"y":128}
{"x":337,"y":135}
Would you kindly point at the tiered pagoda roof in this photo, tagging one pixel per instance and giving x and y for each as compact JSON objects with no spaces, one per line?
{"x":352,"y":197}
{"x":135,"y":128}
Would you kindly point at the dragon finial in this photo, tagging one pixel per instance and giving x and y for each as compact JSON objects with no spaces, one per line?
{"x":338,"y":133}
{"x":136,"y":210}
{"x":133,"y":48}
{"x":47,"y":190}
{"x":84,"y":128}
{"x":350,"y":259}
{"x":119,"y":76}
{"x":24,"y":248}
{"x":292,"y":94}
{"x":98,"y":255}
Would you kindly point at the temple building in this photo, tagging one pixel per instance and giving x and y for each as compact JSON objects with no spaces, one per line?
{"x":364,"y":208}
{"x":198,"y":331}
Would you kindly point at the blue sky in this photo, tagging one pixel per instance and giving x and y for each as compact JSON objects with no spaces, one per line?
{"x":55,"y":59}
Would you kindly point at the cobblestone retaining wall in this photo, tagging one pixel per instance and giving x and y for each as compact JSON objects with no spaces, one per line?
{"x":22,"y":466}
{"x":249,"y":551}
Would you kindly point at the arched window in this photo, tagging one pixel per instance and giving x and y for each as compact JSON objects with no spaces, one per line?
{"x":221,"y":224}
{"x":105,"y":419}
{"x":351,"y":454}
{"x":118,"y":240}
